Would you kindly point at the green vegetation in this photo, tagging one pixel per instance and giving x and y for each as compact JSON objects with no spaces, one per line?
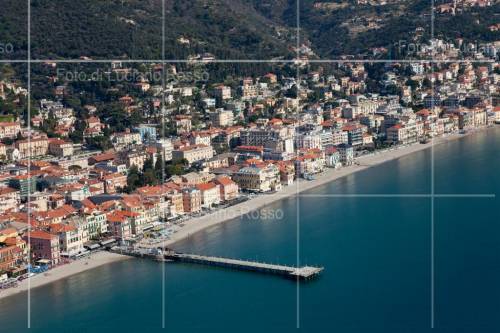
{"x":132,"y":29}
{"x":229,"y":29}
{"x":152,"y":172}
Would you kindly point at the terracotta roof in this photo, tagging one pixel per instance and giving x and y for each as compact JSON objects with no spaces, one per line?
{"x":8,"y":124}
{"x":103,"y":157}
{"x":14,"y":241}
{"x":250,"y":148}
{"x":113,"y":176}
{"x":61,"y":227}
{"x":205,"y":186}
{"x":8,"y":231}
{"x":132,"y":200}
{"x":86,"y":203}
{"x":225,"y":181}
{"x":120,"y":216}
{"x":192,"y":147}
{"x":38,"y":234}
{"x":330,"y":150}
{"x":7,"y":190}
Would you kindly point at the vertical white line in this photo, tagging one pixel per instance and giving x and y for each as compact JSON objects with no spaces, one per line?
{"x":297,"y":180}
{"x":29,"y":160}
{"x":433,"y":95}
{"x":162,"y":104}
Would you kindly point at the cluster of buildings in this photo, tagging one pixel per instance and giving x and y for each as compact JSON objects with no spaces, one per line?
{"x":255,"y":135}
{"x":457,"y":6}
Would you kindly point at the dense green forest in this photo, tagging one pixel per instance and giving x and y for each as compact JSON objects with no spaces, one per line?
{"x":229,"y":29}
{"x":354,"y":29}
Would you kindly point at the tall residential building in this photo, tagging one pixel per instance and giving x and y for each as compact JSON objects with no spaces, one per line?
{"x":26,"y":184}
{"x":165,"y":148}
{"x":221,"y":118}
{"x":191,"y":200}
{"x":44,"y":246}
{"x":222,"y":92}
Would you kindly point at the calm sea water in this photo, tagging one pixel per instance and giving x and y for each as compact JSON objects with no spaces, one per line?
{"x":376,"y":252}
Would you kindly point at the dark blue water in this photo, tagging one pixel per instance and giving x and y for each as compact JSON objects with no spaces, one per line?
{"x":376,"y":251}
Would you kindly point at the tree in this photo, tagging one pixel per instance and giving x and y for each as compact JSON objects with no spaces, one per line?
{"x":133,"y":178}
{"x":174,"y":170}
{"x":74,"y":167}
{"x":293,"y":92}
{"x":149,"y":177}
{"x":100,"y":142}
{"x":148,"y":164}
{"x":159,"y":165}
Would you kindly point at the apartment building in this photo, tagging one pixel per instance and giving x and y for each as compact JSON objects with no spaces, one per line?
{"x":119,"y":225}
{"x":71,"y":238}
{"x":44,"y":246}
{"x":221,"y":118}
{"x":60,"y":148}
{"x":258,"y":178}
{"x":210,"y":194}
{"x":229,"y":190}
{"x":191,"y":200}
{"x":9,"y":199}
{"x":33,"y":148}
{"x":9,"y":129}
{"x":194,"y":153}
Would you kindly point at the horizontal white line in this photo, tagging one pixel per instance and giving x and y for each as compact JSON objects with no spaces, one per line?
{"x":347,"y":195}
{"x":394,"y":195}
{"x":249,"y":61}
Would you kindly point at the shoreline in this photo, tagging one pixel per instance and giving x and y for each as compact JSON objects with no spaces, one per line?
{"x":95,"y":260}
{"x":201,"y":223}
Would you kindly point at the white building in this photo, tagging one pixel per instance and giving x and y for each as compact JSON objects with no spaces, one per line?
{"x":210,"y":194}
{"x":194,"y":153}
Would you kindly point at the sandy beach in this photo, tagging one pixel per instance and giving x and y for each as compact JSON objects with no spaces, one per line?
{"x":95,"y":260}
{"x":198,"y":224}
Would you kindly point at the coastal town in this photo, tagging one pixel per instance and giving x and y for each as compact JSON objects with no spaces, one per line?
{"x":141,"y":166}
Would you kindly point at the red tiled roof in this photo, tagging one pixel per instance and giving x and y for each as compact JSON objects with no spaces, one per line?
{"x":225,"y":181}
{"x":205,"y":186}
{"x":7,"y":190}
{"x":250,"y":148}
{"x":61,"y":227}
{"x":38,"y":234}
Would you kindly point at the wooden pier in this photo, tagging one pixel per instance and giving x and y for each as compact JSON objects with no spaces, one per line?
{"x":302,"y":273}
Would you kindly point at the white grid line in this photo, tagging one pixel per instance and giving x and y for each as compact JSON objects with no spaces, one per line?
{"x":249,"y":61}
{"x":398,"y":196}
{"x":299,"y":87}
{"x":163,"y":88}
{"x":28,"y":104}
{"x":432,"y":263}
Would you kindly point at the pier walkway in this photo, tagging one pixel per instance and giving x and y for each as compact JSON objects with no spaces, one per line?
{"x":303,"y":273}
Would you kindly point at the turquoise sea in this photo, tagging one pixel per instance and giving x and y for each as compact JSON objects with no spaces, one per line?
{"x":376,"y":249}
